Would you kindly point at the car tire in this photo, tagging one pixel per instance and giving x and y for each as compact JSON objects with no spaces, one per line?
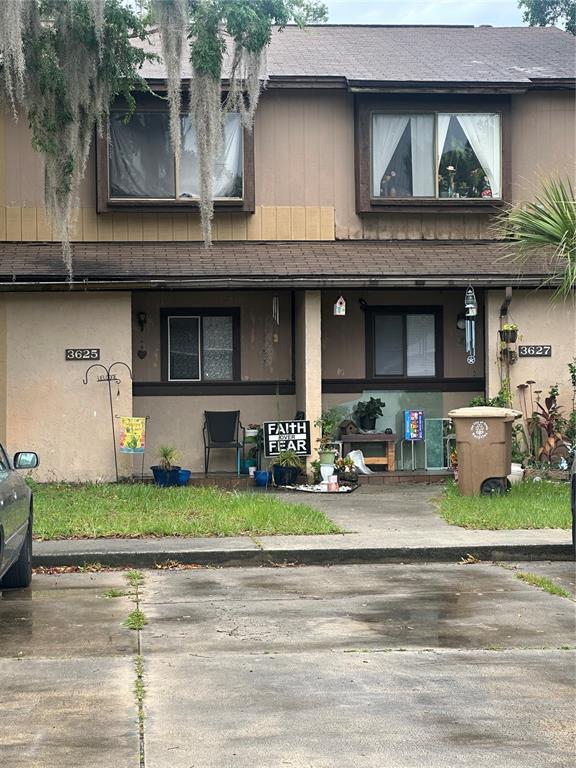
{"x":19,"y":575}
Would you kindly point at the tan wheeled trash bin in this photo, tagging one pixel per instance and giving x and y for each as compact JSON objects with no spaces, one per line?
{"x":484,"y":446}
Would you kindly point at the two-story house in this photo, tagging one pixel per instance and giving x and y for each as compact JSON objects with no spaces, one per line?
{"x":379,"y":159}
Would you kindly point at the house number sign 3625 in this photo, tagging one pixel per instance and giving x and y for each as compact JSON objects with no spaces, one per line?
{"x":534,"y":350}
{"x":82,"y":354}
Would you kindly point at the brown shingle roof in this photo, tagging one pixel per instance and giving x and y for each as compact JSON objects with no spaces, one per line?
{"x":417,"y":54}
{"x":344,"y":262}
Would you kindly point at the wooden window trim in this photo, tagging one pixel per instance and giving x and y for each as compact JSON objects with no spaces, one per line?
{"x":167,"y":312}
{"x":404,"y":310}
{"x":106,"y":205}
{"x":365,"y":106}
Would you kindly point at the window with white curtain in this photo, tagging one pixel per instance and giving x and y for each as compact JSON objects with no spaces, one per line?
{"x":403,"y":342}
{"x":441,"y":155}
{"x":142,"y":164}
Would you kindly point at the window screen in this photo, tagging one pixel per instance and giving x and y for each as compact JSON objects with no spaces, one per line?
{"x":184,"y":346}
{"x":217,"y":348}
{"x":388,"y":345}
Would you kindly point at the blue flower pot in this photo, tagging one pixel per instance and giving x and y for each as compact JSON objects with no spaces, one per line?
{"x":262,"y":478}
{"x":183,"y":476}
{"x":165,"y":478}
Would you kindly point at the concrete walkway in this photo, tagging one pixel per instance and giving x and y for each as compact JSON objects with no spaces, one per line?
{"x":396,"y":524}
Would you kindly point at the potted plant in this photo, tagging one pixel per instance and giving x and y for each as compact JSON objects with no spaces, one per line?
{"x":509,"y":333}
{"x":328,"y":423}
{"x":346,"y":471}
{"x":367,"y":411}
{"x":166,"y":472}
{"x":251,"y":433}
{"x":286,"y":468}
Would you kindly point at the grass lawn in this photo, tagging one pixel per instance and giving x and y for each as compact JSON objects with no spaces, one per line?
{"x":63,"y":511}
{"x":526,"y":505}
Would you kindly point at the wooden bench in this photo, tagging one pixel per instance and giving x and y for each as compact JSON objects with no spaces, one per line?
{"x":387,"y":461}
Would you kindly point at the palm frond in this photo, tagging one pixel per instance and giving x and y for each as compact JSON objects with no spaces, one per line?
{"x":546,"y":223}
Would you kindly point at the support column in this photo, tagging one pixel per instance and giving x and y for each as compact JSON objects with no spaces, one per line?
{"x":308,"y":355}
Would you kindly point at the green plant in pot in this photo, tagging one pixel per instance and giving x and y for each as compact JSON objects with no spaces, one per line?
{"x":367,"y":411}
{"x":346,"y":471}
{"x":166,"y":471}
{"x":286,"y":468}
{"x":509,"y":333}
{"x":328,"y":423}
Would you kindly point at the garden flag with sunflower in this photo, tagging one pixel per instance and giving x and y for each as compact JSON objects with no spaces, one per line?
{"x":132,"y":433}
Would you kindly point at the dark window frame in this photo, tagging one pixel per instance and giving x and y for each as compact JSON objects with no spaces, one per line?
{"x":436,"y":310}
{"x":367,"y":106}
{"x":166,"y":313}
{"x":106,"y":204}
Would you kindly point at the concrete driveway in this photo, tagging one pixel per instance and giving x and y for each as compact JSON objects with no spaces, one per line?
{"x":375,"y":665}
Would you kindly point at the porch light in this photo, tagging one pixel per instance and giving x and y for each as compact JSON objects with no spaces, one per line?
{"x":142,"y":318}
{"x":340,"y":307}
{"x":461,"y":321}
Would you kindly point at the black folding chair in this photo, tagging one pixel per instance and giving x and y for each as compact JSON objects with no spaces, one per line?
{"x":222,"y":430}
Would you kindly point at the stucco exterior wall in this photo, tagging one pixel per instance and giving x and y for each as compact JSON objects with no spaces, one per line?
{"x":178,"y":421}
{"x":48,"y":408}
{"x":540,"y":321}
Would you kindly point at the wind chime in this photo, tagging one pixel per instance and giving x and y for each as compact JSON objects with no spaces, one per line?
{"x":471,"y":312}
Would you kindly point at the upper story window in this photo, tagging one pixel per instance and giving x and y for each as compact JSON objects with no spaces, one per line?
{"x":137,"y":170}
{"x":142,"y":165}
{"x":432,"y":152}
{"x":435,"y":156}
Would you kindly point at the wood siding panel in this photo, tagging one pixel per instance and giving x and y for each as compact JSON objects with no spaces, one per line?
{"x":105,"y":227}
{"x":254,"y":225}
{"x":298,"y":216}
{"x":283,"y":223}
{"x":326,"y":223}
{"x":165,"y":227}
{"x":90,"y":224}
{"x":76,"y":234}
{"x":180,"y":227}
{"x":29,"y":231}
{"x":194,"y":227}
{"x":267,"y":223}
{"x":223,"y":229}
{"x":150,"y":227}
{"x":43,"y":226}
{"x":239,"y":227}
{"x":13,"y":224}
{"x":135,"y":227}
{"x":312,"y":224}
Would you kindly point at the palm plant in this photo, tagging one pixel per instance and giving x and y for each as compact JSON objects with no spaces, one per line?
{"x":548,"y":222}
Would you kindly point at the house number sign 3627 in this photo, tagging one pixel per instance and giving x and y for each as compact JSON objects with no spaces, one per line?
{"x":82,"y":354}
{"x":534,"y":350}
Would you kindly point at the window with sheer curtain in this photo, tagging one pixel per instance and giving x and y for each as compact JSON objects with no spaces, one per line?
{"x":440,"y":155}
{"x":403,"y":343}
{"x":142,"y":164}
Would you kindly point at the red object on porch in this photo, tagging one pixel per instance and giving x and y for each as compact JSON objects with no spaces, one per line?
{"x":389,"y":442}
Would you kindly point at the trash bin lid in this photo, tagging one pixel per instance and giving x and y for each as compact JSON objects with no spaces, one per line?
{"x":485,"y":412}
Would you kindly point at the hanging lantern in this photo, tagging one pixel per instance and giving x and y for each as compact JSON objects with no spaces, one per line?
{"x":340,"y":307}
{"x":471,"y":312}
